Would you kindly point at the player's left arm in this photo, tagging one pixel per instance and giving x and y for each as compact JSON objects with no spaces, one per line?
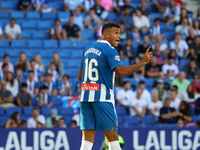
{"x":80,"y":74}
{"x":128,"y":70}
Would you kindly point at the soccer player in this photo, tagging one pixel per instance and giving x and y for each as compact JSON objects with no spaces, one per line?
{"x":97,"y":73}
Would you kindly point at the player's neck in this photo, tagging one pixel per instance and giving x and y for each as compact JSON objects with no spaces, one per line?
{"x":105,"y":39}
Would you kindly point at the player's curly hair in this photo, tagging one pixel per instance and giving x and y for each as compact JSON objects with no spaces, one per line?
{"x":109,"y":25}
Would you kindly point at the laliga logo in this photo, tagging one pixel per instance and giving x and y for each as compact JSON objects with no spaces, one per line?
{"x":45,"y":140}
{"x":117,"y":58}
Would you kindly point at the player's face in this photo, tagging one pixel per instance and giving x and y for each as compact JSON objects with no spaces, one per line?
{"x":114,"y":36}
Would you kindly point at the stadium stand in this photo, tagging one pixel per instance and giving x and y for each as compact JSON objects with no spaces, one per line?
{"x":35,"y":31}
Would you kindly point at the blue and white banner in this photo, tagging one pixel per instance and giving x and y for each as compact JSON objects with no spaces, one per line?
{"x":71,"y":101}
{"x":70,"y":139}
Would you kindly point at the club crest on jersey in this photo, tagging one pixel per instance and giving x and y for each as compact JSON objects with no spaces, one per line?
{"x":117,"y":58}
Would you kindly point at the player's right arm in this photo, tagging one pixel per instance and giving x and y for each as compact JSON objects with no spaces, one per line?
{"x":80,"y":74}
{"x":128,"y":70}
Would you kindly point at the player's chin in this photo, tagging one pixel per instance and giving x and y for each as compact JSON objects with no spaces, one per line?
{"x":116,"y":44}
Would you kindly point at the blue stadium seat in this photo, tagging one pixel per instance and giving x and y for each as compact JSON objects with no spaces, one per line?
{"x":50,"y":44}
{"x":121,"y":110}
{"x":40,"y":35}
{"x":27,"y":34}
{"x":135,"y":46}
{"x":190,"y":15}
{"x":63,"y":14}
{"x":135,"y":4}
{"x":3,"y":51}
{"x":15,"y":52}
{"x":33,"y":15}
{"x":71,"y":63}
{"x":49,"y":15}
{"x":25,"y":117}
{"x":148,"y":5}
{"x":182,"y":63}
{"x":133,"y":82}
{"x":64,"y":54}
{"x":35,"y":44}
{"x":3,"y":119}
{"x":161,"y":125}
{"x":46,"y":111}
{"x":67,"y":44}
{"x":73,"y":73}
{"x":4,"y":22}
{"x":133,"y":120}
{"x":125,"y":62}
{"x":4,"y":43}
{"x":141,"y":42}
{"x":68,"y":120}
{"x":87,"y":34}
{"x":169,"y":35}
{"x":195,"y":118}
{"x":1,"y":111}
{"x":155,"y":15}
{"x":34,"y":101}
{"x":31,"y":24}
{"x":144,"y":125}
{"x":149,"y":82}
{"x":45,"y":24}
{"x":167,"y":81}
{"x":12,"y":5}
{"x":171,"y":26}
{"x":4,"y":14}
{"x":57,"y":101}
{"x":55,"y":107}
{"x":173,"y":125}
{"x":82,"y":44}
{"x":47,"y":53}
{"x":11,"y":110}
{"x":28,"y":110}
{"x":17,"y":14}
{"x":68,"y":111}
{"x":77,"y":53}
{"x":148,"y":120}
{"x":120,"y":120}
{"x":112,"y":16}
{"x":14,"y":60}
{"x":18,"y":44}
{"x":30,"y":54}
{"x":57,"y":5}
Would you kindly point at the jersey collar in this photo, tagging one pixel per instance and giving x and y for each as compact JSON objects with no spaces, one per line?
{"x":104,"y":41}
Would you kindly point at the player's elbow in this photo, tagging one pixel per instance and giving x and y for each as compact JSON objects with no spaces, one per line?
{"x":120,"y":71}
{"x":121,"y":74}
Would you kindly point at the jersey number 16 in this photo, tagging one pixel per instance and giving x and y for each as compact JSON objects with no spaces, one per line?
{"x":89,"y":70}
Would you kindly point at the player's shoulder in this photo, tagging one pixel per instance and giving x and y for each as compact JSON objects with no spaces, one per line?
{"x":105,"y":44}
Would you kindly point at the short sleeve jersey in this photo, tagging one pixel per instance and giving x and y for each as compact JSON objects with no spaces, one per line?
{"x":97,"y":83}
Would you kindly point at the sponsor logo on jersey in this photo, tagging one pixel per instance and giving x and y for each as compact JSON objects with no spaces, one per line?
{"x":90,"y":87}
{"x":117,"y":58}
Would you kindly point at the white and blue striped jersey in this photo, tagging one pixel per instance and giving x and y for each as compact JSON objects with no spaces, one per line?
{"x":97,"y":82}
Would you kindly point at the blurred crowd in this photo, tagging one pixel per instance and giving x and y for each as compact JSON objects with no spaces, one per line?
{"x":172,"y":32}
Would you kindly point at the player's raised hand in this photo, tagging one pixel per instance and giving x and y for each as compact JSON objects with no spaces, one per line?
{"x":147,"y":56}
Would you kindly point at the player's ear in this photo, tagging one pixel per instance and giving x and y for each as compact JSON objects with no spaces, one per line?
{"x":106,"y":34}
